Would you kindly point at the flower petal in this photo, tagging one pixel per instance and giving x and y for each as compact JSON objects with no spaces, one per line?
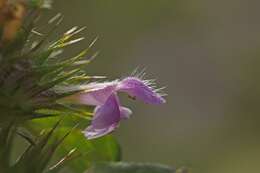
{"x":139,"y":89}
{"x":97,"y":94}
{"x":106,"y":118}
{"x":92,"y":133}
{"x":125,"y":112}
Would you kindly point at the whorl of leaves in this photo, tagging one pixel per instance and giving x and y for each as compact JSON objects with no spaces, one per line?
{"x":32,"y":66}
{"x":32,"y":69}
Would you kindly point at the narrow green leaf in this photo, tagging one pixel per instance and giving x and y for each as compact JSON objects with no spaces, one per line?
{"x":91,"y":151}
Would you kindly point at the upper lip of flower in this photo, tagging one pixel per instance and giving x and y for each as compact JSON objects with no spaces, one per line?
{"x":108,"y":110}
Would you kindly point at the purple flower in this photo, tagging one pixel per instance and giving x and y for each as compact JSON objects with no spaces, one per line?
{"x":108,"y":111}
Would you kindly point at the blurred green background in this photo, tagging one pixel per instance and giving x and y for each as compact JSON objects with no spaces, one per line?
{"x":207,"y":54}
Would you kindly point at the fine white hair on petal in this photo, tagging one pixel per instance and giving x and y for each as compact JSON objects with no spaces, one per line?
{"x":140,"y":74}
{"x":160,"y":91}
{"x":144,"y":90}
